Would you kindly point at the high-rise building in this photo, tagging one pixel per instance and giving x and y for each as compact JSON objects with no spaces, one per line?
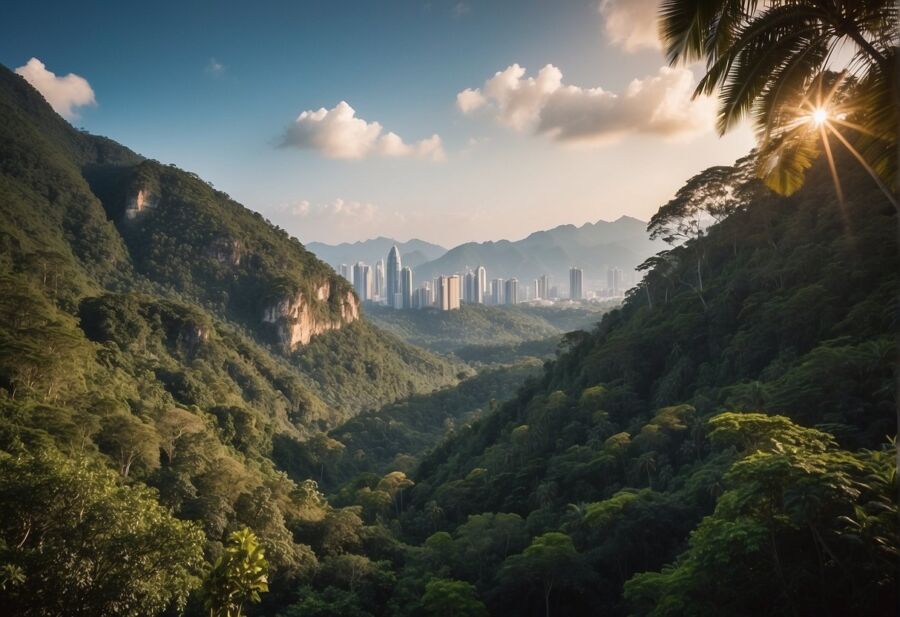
{"x":498,"y":294}
{"x":614,"y":281}
{"x":511,"y":291}
{"x":362,"y":281}
{"x":448,"y":292}
{"x":378,"y":281}
{"x":406,"y":287}
{"x":392,"y":278}
{"x":347,"y":272}
{"x":423,"y":297}
{"x":543,"y":287}
{"x":480,"y":284}
{"x":469,"y":282}
{"x":576,"y":283}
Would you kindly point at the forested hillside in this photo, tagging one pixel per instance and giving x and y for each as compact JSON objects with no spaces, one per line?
{"x":156,"y":340}
{"x":480,"y":325}
{"x":177,"y":377}
{"x":721,"y":443}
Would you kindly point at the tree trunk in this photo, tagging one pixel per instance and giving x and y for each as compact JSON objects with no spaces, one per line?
{"x":548,"y":587}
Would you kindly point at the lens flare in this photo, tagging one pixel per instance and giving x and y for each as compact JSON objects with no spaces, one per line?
{"x":819,"y":116}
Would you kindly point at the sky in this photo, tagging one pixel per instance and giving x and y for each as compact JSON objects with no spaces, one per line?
{"x":340,"y":121}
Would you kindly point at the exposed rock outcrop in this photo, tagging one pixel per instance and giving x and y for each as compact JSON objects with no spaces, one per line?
{"x":227,"y":251}
{"x":297,"y":321}
{"x":139,"y":202}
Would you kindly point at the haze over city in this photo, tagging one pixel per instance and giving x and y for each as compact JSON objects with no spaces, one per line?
{"x":447,"y":121}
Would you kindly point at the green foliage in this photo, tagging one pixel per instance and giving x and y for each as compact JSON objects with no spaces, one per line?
{"x":479,"y":325}
{"x":239,"y":576}
{"x":550,"y":561}
{"x":449,"y":598}
{"x":778,"y":541}
{"x":77,"y":542}
{"x":771,"y":62}
{"x":399,"y":433}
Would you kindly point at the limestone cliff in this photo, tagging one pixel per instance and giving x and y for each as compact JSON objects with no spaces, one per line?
{"x":297,"y":319}
{"x":138,"y":202}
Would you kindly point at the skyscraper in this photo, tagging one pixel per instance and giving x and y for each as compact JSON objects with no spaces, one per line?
{"x":423,"y":297}
{"x":362,"y":281}
{"x":480,"y":284}
{"x":448,"y":292}
{"x":512,"y":291}
{"x":347,"y":272}
{"x":614,"y":281}
{"x":497,"y":292}
{"x":469,"y":282}
{"x":406,"y":287}
{"x":543,"y":289}
{"x":576,"y":283}
{"x":392,"y":277}
{"x":378,"y":282}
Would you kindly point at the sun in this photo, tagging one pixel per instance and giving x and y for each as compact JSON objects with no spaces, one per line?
{"x":819,"y":116}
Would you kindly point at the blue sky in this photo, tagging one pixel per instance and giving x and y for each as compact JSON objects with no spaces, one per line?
{"x":217,"y":88}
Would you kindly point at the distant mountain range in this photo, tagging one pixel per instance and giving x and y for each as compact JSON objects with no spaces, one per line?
{"x":594,"y":247}
{"x":413,"y":253}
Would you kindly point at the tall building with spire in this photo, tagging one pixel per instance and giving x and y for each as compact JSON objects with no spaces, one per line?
{"x":392,"y":278}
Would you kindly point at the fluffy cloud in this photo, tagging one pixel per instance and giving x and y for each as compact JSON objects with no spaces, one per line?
{"x":63,"y":93}
{"x":660,"y":105}
{"x":339,"y":134}
{"x":631,"y":24}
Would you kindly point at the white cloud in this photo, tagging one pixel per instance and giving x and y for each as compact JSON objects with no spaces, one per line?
{"x":215,"y":68}
{"x":469,"y":100}
{"x":631,"y":24}
{"x":63,"y":93}
{"x":338,"y":133}
{"x":660,"y":105}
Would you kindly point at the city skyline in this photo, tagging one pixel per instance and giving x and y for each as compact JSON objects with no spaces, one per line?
{"x":449,"y":291}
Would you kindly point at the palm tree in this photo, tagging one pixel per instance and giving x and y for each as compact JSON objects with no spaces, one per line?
{"x":772,"y":60}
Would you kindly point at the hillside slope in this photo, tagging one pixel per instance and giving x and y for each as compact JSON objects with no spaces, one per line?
{"x":156,"y":340}
{"x":449,"y":331}
{"x":611,"y":460}
{"x":85,"y":215}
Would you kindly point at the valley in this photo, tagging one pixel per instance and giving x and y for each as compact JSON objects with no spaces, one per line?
{"x":685,"y":407}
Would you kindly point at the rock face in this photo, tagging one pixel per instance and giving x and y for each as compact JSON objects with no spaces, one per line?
{"x":297,"y":322}
{"x":140,"y":201}
{"x":227,"y":251}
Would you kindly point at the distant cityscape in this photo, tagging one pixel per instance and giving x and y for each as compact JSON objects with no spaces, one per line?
{"x":389,"y":283}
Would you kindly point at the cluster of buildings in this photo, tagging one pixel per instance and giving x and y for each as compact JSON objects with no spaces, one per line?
{"x":391,"y":284}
